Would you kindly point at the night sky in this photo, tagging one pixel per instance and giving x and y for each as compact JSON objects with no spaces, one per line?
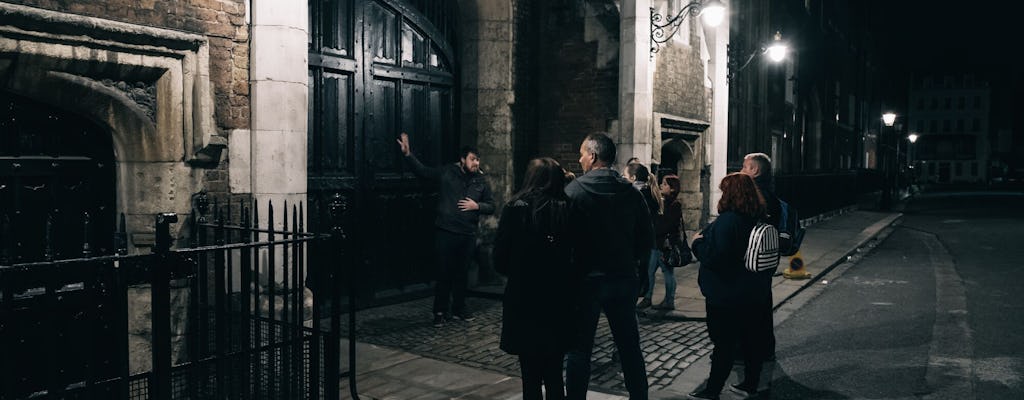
{"x":933,"y":36}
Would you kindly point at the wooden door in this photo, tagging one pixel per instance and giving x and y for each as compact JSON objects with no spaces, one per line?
{"x":378,"y":68}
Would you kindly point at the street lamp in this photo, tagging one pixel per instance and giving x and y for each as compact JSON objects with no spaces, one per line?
{"x":712,"y":11}
{"x":910,"y":153}
{"x":889,"y":118}
{"x":776,"y":52}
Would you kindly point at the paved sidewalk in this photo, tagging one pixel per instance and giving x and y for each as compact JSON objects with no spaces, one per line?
{"x":401,"y":356}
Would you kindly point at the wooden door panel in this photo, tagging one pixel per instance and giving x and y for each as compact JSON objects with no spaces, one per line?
{"x":397,"y":77}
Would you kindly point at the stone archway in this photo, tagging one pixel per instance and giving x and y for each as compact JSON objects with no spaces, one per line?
{"x":148,"y":87}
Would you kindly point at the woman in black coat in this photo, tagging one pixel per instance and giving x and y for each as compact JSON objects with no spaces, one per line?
{"x":733,"y":295}
{"x":532,"y":250}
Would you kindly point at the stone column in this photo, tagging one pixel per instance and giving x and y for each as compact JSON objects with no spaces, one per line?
{"x":718,"y":135}
{"x":487,"y":97}
{"x":636,"y":97}
{"x":279,"y":91}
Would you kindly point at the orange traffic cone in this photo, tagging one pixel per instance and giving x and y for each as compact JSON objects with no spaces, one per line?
{"x":796,"y":268}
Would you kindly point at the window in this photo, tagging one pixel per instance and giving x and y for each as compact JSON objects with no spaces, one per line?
{"x":977,"y":102}
{"x":974,"y":169}
{"x":920,"y":125}
{"x":920,"y":103}
{"x":934,"y":103}
{"x":933,"y":126}
{"x":947,"y":103}
{"x":959,"y":167}
{"x":945,"y":125}
{"x":931,"y":168}
{"x":976,"y":125}
{"x":959,"y":125}
{"x":960,"y":103}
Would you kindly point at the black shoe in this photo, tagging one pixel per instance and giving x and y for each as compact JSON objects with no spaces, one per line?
{"x":644,"y":303}
{"x":463,"y":316}
{"x":704,"y":394}
{"x":741,"y":389}
{"x":438,"y":320}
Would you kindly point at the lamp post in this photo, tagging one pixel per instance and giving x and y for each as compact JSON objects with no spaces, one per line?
{"x":889,"y":118}
{"x":776,"y":51}
{"x":712,"y":11}
{"x":910,"y":159}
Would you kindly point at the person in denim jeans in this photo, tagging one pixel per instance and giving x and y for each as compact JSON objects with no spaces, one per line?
{"x":668,"y":228}
{"x":612,"y":235}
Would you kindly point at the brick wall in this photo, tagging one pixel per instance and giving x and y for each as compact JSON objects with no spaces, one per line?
{"x":222,"y":21}
{"x":575,"y":95}
{"x":679,"y":79}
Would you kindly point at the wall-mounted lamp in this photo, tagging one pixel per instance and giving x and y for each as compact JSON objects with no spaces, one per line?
{"x":889,"y":118}
{"x":912,"y":137}
{"x":712,"y":11}
{"x":776,"y":52}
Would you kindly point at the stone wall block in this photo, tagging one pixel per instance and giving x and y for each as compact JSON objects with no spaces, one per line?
{"x":279,"y":106}
{"x":269,"y":44}
{"x":281,"y":166}
{"x":285,"y":13}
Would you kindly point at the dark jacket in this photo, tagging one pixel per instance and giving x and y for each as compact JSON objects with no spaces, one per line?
{"x":652,"y":205}
{"x":722,"y":278}
{"x":669,"y":225}
{"x":767,"y":188}
{"x":455,"y":185}
{"x":535,"y":256}
{"x":611,"y":226}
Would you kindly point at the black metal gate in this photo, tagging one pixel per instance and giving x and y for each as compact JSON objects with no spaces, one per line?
{"x":378,"y":68}
{"x":56,"y":183}
{"x":250,"y":330}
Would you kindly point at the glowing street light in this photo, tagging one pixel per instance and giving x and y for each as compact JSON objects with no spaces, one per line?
{"x":777,"y":51}
{"x":711,"y":11}
{"x":889,"y":118}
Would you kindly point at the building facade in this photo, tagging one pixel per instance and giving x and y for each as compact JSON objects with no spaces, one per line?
{"x":816,"y":113}
{"x":951,"y":115}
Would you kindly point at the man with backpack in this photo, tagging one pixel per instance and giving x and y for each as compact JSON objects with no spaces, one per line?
{"x":759,"y":167}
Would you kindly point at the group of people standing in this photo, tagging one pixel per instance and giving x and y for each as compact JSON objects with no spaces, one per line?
{"x":572,"y":248}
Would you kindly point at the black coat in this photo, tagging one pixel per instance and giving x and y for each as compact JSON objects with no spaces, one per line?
{"x":611,"y":226}
{"x":722,"y":278}
{"x":535,"y":256}
{"x":454,"y":184}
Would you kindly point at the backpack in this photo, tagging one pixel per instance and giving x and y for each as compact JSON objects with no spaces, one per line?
{"x":762,"y":249}
{"x":791,"y":234}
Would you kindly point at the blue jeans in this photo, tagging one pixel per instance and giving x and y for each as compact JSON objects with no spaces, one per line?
{"x":615,"y":296}
{"x":667,"y":271}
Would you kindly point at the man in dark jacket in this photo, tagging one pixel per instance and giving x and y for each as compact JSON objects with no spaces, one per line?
{"x":612,"y":233}
{"x":759,"y":167}
{"x":463,"y":195}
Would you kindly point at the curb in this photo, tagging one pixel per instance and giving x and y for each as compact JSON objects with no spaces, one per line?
{"x":875,"y":229}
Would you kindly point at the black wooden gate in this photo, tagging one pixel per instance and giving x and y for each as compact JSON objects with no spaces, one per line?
{"x":56,"y":183}
{"x":378,"y":68}
{"x":250,"y":330}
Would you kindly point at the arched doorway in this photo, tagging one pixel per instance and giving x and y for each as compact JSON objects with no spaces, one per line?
{"x":378,"y":68}
{"x":56,"y":183}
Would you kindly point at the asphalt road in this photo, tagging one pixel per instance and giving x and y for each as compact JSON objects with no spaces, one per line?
{"x":933,"y":312}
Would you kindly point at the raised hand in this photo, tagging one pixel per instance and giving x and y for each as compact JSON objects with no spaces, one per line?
{"x":403,"y":143}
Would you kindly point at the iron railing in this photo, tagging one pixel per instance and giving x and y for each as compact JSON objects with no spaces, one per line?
{"x":250,"y":328}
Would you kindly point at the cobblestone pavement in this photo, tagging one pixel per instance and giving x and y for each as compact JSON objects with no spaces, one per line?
{"x":668,"y":346}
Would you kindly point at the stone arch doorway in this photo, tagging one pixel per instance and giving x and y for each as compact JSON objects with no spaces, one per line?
{"x":378,"y":68}
{"x":57,"y":183}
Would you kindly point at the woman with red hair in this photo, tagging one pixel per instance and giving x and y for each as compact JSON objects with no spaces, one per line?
{"x":732,"y":294}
